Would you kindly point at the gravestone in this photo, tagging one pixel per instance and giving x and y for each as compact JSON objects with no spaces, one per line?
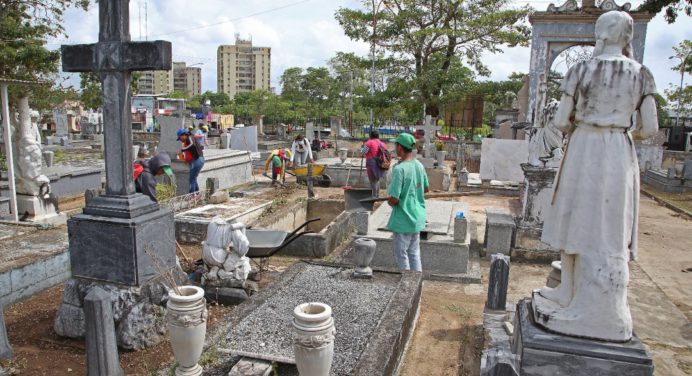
{"x":502,"y":159}
{"x":687,"y":170}
{"x":5,"y":348}
{"x":122,"y":241}
{"x":87,"y":128}
{"x":168,"y":142}
{"x":102,"y":349}
{"x":61,"y":136}
{"x":244,"y":138}
{"x":60,"y":118}
{"x":498,"y":282}
{"x":430,"y":134}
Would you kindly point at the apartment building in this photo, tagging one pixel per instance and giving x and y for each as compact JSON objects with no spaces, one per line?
{"x":179,"y":78}
{"x":242,"y":68}
{"x":187,"y":79}
{"x":155,"y":82}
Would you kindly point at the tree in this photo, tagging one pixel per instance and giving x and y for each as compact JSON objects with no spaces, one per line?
{"x":24,"y":26}
{"x":90,"y":85}
{"x":91,"y":90}
{"x":673,"y":8}
{"x":432,"y":38}
{"x":682,"y":95}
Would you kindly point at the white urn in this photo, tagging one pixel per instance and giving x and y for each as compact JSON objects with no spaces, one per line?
{"x":313,"y":338}
{"x":363,"y":252}
{"x":186,"y":319}
{"x":343,"y":155}
{"x":440,"y":157}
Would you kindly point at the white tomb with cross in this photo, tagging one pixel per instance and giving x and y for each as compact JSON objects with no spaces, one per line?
{"x":430,"y":128}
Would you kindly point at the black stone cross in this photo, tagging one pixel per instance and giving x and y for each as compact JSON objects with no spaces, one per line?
{"x":114,"y":57}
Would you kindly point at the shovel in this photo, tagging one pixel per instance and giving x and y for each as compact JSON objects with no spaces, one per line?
{"x":270,"y":178}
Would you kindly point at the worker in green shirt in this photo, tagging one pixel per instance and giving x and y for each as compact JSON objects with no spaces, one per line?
{"x":406,"y":196}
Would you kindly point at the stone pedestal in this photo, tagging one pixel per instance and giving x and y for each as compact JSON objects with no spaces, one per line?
{"x":543,"y":353}
{"x":121,"y":244}
{"x":33,"y":209}
{"x":120,"y":250}
{"x":536,"y":198}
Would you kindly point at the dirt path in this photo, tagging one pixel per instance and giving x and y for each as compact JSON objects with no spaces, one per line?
{"x":448,"y":337}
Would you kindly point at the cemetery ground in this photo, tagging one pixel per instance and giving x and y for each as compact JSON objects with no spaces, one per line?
{"x":448,"y":338}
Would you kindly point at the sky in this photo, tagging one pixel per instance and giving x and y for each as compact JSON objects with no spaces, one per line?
{"x":304,"y":33}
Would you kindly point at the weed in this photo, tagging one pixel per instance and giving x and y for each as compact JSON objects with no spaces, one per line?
{"x":209,"y":357}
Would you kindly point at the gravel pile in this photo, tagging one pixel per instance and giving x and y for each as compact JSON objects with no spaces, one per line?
{"x":357,"y":306}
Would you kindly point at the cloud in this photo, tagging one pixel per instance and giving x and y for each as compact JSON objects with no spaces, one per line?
{"x":305,"y":33}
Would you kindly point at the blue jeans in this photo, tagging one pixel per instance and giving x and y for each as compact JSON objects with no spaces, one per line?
{"x":195,"y":167}
{"x":407,"y":251}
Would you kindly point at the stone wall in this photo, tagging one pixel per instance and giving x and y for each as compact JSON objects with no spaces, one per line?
{"x":22,"y":282}
{"x":670,"y":157}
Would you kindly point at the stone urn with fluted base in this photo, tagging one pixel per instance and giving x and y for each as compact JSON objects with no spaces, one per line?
{"x":363,"y":252}
{"x":186,"y":320}
{"x":313,"y":338}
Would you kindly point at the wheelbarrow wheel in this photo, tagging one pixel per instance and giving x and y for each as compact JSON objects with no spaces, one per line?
{"x":325,"y":182}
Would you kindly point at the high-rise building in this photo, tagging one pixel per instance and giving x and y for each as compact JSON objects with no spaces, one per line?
{"x":242,"y":68}
{"x":179,"y":78}
{"x":193,"y":76}
{"x":187,"y":79}
{"x":155,"y":82}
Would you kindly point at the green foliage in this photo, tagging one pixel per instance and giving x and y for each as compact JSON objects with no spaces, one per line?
{"x":24,"y":26}
{"x":682,"y":96}
{"x":672,"y":8}
{"x":91,"y":90}
{"x":433,"y":40}
{"x":165,"y":192}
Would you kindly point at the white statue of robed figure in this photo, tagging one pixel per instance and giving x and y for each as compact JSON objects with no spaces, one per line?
{"x":593,"y":216}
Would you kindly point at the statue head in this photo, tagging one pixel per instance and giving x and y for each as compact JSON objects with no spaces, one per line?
{"x":614,"y":28}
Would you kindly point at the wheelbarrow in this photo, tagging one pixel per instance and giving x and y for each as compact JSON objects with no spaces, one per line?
{"x":322,"y":179}
{"x":265,"y":243}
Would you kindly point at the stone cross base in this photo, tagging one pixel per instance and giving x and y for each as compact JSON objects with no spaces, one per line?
{"x":542,"y":352}
{"x":33,"y":209}
{"x":138,"y":312}
{"x":127,"y":251}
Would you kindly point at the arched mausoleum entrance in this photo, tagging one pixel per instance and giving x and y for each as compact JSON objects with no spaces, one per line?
{"x":565,"y":26}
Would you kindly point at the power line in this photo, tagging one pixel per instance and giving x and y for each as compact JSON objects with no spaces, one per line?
{"x":232,"y":20}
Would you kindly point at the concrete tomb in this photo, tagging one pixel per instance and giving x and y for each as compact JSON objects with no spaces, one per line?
{"x":375,"y":318}
{"x":442,"y":257}
{"x":122,"y":241}
{"x":669,"y":181}
{"x":231,"y":167}
{"x":191,"y":225}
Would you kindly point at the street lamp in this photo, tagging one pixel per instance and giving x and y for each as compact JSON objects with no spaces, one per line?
{"x":683,"y":63}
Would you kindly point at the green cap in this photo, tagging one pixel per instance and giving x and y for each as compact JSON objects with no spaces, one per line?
{"x":167,"y":170}
{"x":406,"y":140}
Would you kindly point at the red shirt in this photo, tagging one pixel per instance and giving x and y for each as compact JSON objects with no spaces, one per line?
{"x":373,"y":145}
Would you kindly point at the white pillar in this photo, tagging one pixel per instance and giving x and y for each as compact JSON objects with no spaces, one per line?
{"x":9,"y":159}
